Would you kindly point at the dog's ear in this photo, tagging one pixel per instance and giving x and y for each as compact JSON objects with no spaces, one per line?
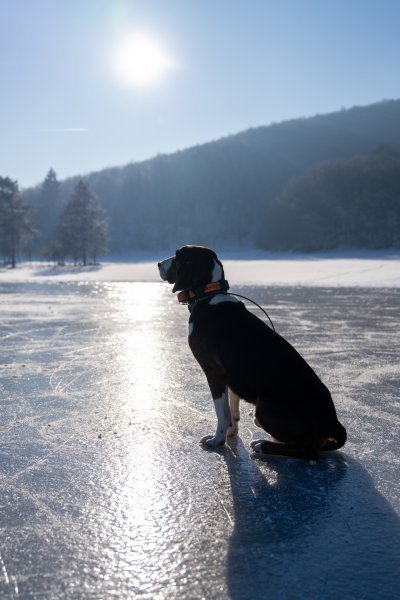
{"x":194,"y":266}
{"x":184,"y":269}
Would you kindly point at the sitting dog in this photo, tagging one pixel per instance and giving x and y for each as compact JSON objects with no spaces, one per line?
{"x":242,"y":357}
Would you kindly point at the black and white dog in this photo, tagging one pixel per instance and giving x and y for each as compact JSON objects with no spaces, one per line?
{"x":244,"y":358}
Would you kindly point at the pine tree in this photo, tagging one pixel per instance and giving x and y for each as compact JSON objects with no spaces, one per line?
{"x":48,"y":212}
{"x":83,"y":228}
{"x":14,"y":221}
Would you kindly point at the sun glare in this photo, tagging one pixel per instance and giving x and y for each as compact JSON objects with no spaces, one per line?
{"x":140,"y":60}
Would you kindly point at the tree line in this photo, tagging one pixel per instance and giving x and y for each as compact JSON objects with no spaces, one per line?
{"x":76,"y":229}
{"x":305,"y":184}
{"x":347,"y":203}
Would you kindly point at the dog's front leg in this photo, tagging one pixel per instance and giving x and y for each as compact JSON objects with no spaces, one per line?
{"x":235,"y":413}
{"x":221,"y":405}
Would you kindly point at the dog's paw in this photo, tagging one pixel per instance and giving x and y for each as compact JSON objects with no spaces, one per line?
{"x":256,"y":445}
{"x":211,"y":441}
{"x":233,"y":429}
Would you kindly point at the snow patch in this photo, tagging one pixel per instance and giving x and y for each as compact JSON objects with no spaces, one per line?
{"x":367,"y":269}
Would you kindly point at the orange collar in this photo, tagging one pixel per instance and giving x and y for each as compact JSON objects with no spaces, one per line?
{"x":191,"y":295}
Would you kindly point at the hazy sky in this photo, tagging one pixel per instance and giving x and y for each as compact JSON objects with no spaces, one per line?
{"x":86,"y":84}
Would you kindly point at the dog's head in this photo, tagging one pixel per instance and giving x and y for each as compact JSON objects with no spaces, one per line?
{"x":191,"y":266}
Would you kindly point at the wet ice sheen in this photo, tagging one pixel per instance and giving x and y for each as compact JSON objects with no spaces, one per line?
{"x":106,"y":493}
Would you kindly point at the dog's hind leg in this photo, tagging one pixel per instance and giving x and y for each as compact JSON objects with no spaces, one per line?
{"x":235,"y":413}
{"x":273,"y":421}
{"x":334,"y":441}
{"x":221,"y":405}
{"x":278,"y":449}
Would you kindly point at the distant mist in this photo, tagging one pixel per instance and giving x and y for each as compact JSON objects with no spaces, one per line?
{"x":305,"y":184}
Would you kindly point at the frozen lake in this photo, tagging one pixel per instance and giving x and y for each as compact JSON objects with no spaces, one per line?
{"x":106,"y":493}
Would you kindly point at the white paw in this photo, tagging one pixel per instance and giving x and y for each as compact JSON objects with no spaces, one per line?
{"x":211,"y":441}
{"x":233,"y":429}
{"x":257,"y":448}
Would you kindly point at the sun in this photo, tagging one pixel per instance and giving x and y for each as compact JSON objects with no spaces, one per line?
{"x":141,"y":60}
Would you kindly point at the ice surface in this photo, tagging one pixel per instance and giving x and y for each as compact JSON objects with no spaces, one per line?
{"x":105,"y":491}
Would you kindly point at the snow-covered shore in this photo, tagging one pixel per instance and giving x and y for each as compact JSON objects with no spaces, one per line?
{"x":368,"y":269}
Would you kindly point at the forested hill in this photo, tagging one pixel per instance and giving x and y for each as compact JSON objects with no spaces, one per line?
{"x":235,"y":190}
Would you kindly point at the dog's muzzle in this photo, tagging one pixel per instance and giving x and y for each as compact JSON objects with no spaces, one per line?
{"x":167,"y":269}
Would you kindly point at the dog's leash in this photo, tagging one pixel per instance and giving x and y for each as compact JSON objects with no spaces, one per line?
{"x":202,"y":292}
{"x":260,"y":307}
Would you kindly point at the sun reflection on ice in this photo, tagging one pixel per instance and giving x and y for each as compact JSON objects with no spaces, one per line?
{"x":140,"y":345}
{"x":140,"y":497}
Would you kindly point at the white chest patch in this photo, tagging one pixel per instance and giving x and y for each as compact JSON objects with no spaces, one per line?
{"x":219,"y":298}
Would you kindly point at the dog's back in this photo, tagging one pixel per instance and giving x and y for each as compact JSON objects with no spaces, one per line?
{"x":263,"y":368}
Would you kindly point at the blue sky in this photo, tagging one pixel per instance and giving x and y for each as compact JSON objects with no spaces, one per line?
{"x":229,"y":65}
